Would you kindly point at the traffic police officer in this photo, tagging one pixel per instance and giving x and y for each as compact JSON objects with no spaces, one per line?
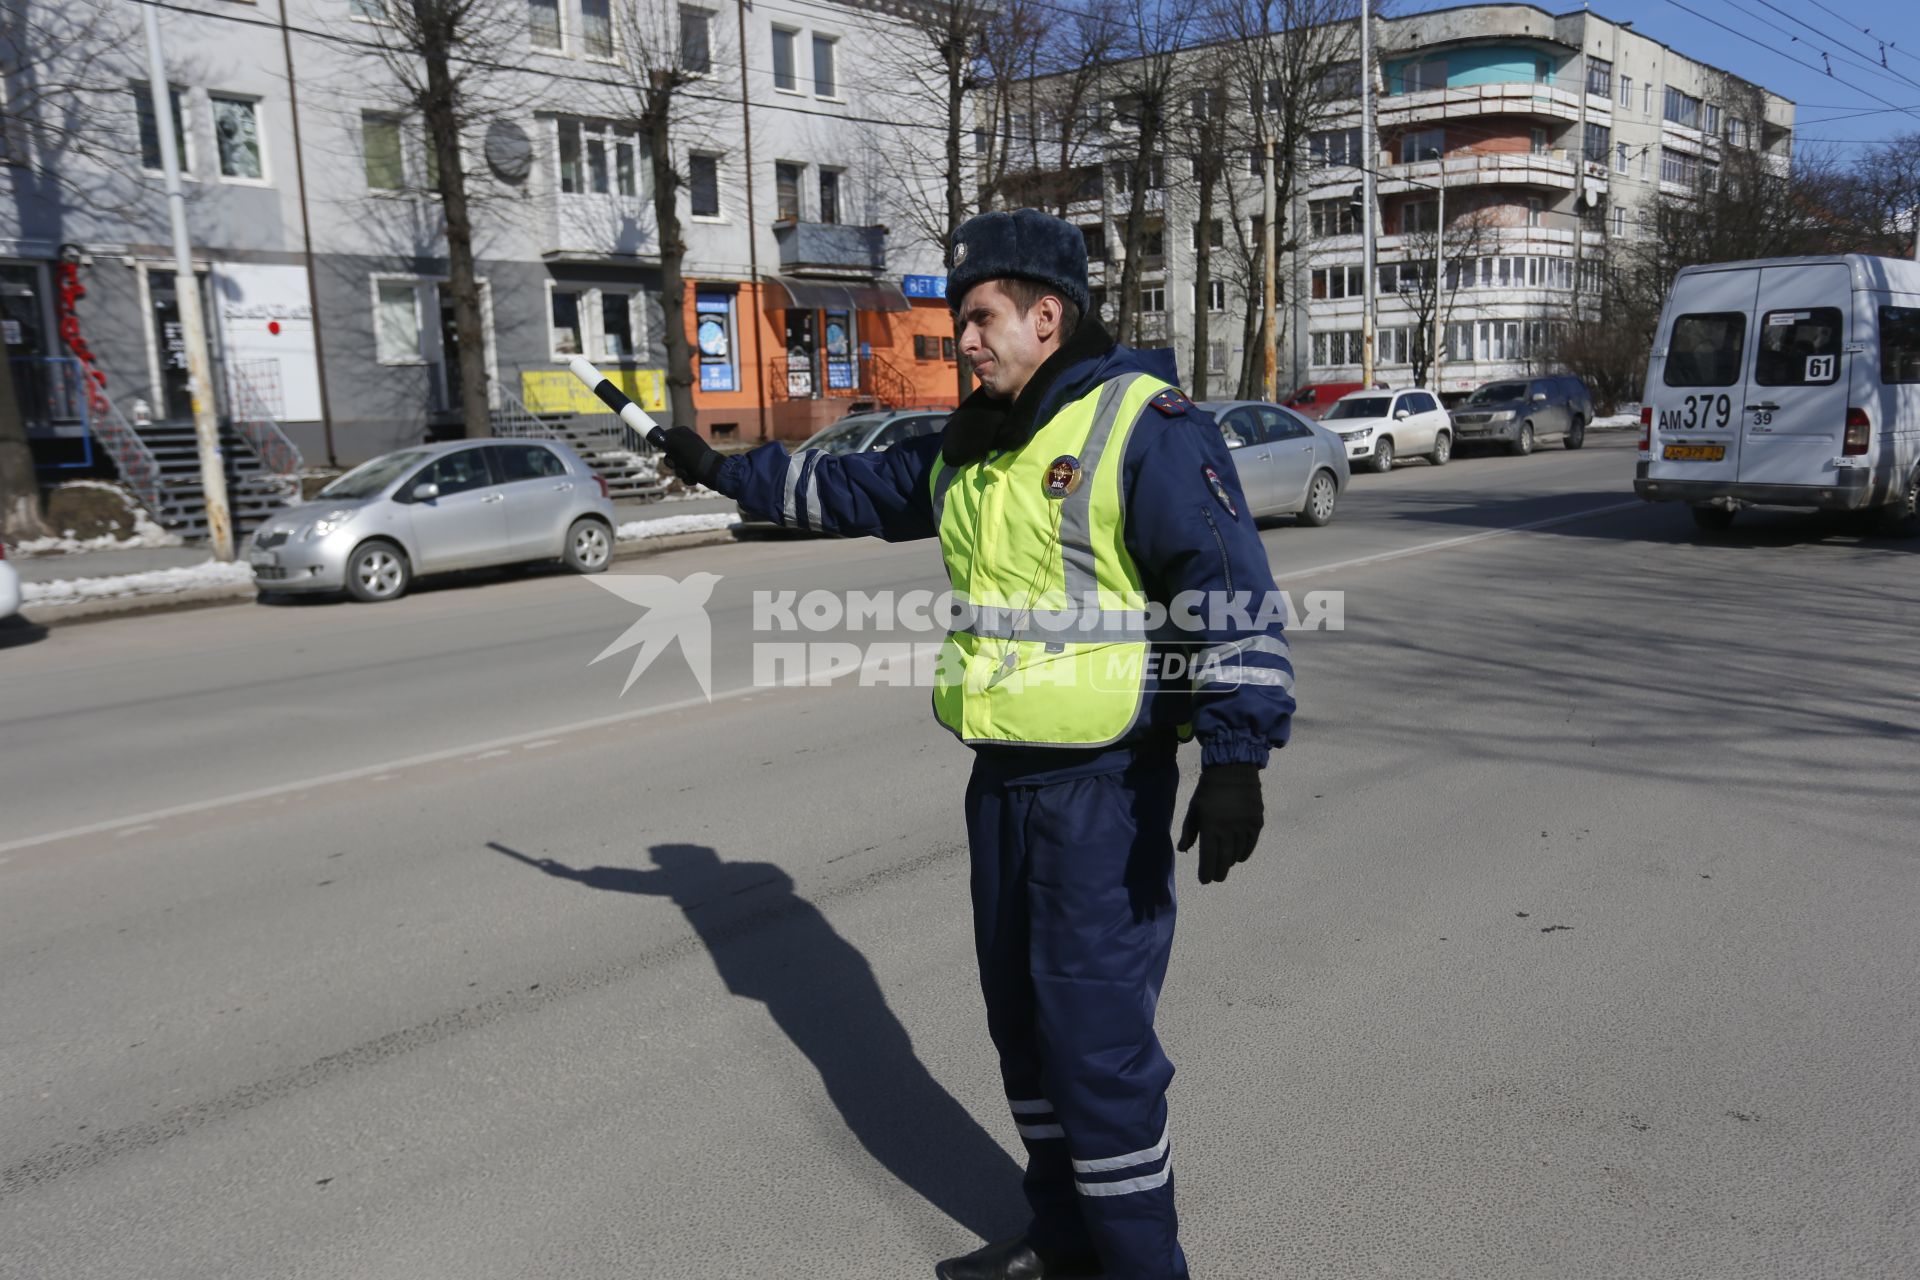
{"x":1072,"y":493}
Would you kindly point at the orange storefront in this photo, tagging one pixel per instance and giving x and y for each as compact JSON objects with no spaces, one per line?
{"x":780,"y":359}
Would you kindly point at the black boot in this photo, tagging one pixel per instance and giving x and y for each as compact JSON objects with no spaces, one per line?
{"x":1015,"y":1259}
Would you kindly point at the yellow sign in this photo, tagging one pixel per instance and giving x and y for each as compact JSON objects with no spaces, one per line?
{"x":558,"y":391}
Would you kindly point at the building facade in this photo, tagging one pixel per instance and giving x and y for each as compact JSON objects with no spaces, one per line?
{"x":319,"y":238}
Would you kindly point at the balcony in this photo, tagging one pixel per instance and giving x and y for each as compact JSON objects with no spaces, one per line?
{"x":831,"y":246}
{"x":1433,"y":106}
{"x":593,"y":228}
{"x":1554,"y":170}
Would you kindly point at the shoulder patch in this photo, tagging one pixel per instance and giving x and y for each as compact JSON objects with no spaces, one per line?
{"x":1171,"y":403}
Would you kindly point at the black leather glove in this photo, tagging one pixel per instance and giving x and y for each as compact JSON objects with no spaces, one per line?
{"x":1226,"y":813}
{"x":690,"y":457}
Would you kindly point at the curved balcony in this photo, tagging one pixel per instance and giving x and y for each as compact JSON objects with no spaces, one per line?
{"x":1552,"y":170}
{"x":1525,"y":98}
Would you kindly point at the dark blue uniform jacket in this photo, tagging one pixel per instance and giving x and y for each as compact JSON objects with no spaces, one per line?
{"x":1187,"y":528}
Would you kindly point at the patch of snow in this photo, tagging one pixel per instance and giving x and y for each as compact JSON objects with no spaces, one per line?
{"x":667,"y":526}
{"x":1629,"y":416}
{"x":154,"y":582}
{"x":645,"y":468}
{"x":145,"y":532}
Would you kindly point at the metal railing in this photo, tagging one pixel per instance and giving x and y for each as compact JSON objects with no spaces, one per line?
{"x":253,"y":396}
{"x":129,"y":452}
{"x":51,"y":392}
{"x":513,"y":420}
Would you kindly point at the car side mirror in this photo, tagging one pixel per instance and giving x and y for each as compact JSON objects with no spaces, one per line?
{"x":1401,"y":415}
{"x":1233,"y":441}
{"x":426,"y":491}
{"x":1539,"y":397}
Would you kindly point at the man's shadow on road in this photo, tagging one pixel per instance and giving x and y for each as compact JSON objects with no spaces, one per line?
{"x":821,"y":992}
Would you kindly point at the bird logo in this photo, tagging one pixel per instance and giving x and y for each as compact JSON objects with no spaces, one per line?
{"x":676,"y":610}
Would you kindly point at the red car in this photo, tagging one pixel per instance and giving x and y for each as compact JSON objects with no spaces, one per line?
{"x":1314,"y":398}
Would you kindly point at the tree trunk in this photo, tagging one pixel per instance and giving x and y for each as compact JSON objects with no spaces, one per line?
{"x":20,"y":516}
{"x":1203,"y":276}
{"x":442,"y":115}
{"x":1136,"y":228}
{"x":673,"y":252}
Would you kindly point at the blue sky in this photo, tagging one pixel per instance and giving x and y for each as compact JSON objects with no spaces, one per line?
{"x":1829,"y":107}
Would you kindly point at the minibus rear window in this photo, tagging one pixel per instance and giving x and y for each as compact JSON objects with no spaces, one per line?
{"x":1705,"y":349}
{"x":1799,"y":348}
{"x":1899,"y":344}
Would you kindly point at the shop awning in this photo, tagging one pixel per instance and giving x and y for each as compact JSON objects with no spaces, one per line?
{"x":788,"y":293}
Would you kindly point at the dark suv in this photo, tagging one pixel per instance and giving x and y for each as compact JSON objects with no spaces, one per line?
{"x":1521,"y":412}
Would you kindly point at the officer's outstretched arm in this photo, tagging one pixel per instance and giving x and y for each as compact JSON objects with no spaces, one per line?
{"x":883,"y":495}
{"x":1190,"y":532}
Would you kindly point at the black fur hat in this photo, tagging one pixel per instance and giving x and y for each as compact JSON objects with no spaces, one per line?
{"x":1025,"y":243}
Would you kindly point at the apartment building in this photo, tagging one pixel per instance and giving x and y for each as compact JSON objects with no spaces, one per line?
{"x":319,"y":238}
{"x":1549,"y":137}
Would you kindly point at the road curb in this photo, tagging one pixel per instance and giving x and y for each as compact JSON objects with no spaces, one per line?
{"x":60,"y":615}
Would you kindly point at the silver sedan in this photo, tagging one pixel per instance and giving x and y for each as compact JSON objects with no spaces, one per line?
{"x":460,"y":505}
{"x":1288,"y":464}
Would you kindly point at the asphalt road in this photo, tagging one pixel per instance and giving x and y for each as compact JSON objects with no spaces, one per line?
{"x":394,"y":942}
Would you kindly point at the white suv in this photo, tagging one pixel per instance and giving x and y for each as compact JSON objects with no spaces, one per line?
{"x":1379,"y":426}
{"x":9,"y":586}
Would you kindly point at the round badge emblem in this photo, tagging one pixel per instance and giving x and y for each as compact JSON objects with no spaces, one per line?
{"x":959,"y":252}
{"x":1064,"y":474}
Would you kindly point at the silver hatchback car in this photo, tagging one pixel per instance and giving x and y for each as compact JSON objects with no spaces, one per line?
{"x":464,"y":504}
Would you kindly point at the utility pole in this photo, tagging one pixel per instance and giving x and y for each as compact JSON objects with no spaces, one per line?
{"x":759,"y":317}
{"x":1439,"y":269}
{"x":186,"y":292}
{"x":1269,"y":350}
{"x":1370,"y":149}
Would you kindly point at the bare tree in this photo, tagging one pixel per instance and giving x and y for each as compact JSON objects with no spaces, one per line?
{"x":456,"y":62}
{"x":1147,"y":86}
{"x":1205,"y":132}
{"x":1412,"y":277}
{"x":66,"y":135}
{"x":674,"y":75}
{"x":1875,"y":207}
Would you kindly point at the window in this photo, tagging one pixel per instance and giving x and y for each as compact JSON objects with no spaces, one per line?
{"x":1338,"y":282}
{"x":1216,"y":234}
{"x":786,"y":59}
{"x":368,"y":10}
{"x":1711,"y":122}
{"x":1341,"y":80}
{"x":1095,"y":234}
{"x":1329,"y":147}
{"x":1459,"y":342}
{"x":829,"y":195}
{"x":1216,"y":356}
{"x":1599,"y":77}
{"x":564,"y":336}
{"x":236,"y":130}
{"x":1619,"y":220}
{"x":596,"y":28}
{"x":926,"y":347}
{"x":786,"y":191}
{"x":616,"y":325}
{"x":1419,"y":216}
{"x":385,"y":161}
{"x":1682,"y":108}
{"x":516,"y":462}
{"x":596,"y":158}
{"x":696,"y":40}
{"x":149,"y":128}
{"x":1899,"y":345}
{"x":1534,"y":211}
{"x":1736,"y":131}
{"x":1336,"y":348}
{"x":1539,"y":142}
{"x":949,"y":349}
{"x":1704,"y":350}
{"x":1422,"y":144}
{"x":396,"y":322}
{"x":1710,"y":174}
{"x":1626,"y":91}
{"x":1216,"y":295}
{"x":826,"y":82}
{"x":703,"y":184}
{"x":1426,"y":75}
{"x":543,"y":20}
{"x":713,"y":334}
{"x":1799,"y":348}
{"x":1619,"y":157}
{"x":1646,"y":98}
{"x":457,"y":472}
{"x":1332,"y":217}
{"x":1679,"y":166}
{"x":1153,"y":301}
{"x":1599,"y":140}
{"x":1153,"y":242}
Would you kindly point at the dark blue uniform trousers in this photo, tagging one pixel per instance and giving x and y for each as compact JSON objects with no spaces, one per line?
{"x":1073,"y":912}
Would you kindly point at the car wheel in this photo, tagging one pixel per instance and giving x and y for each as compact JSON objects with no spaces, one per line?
{"x":1382,"y":460}
{"x":378,"y":570}
{"x":1713,"y":519}
{"x":1576,"y":434}
{"x":1522,"y":444}
{"x":1322,"y":495}
{"x":1442,"y":449}
{"x":589,"y":546}
{"x":1901,"y":517}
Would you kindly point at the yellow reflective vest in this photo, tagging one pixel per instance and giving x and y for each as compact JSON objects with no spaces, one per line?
{"x":1049,"y":644}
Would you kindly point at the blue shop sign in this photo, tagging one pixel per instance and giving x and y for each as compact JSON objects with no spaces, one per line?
{"x":924,"y":286}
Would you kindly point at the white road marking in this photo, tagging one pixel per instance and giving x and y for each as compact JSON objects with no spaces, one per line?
{"x":554,"y":733}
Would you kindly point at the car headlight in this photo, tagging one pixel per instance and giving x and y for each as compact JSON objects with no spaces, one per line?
{"x":1505,"y":415}
{"x":331,"y":521}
